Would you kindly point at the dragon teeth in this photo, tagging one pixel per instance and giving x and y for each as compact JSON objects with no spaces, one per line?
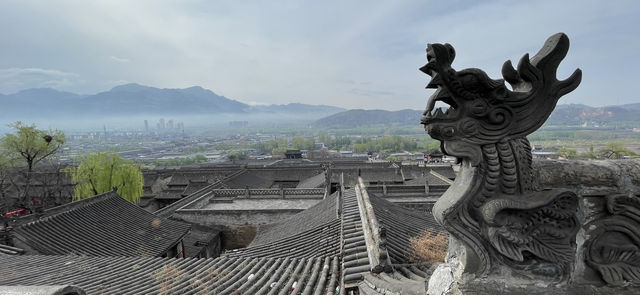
{"x":438,"y":113}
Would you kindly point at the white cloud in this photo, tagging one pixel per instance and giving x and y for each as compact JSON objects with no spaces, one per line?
{"x":15,"y":79}
{"x":119,"y":59}
{"x":272,"y":51}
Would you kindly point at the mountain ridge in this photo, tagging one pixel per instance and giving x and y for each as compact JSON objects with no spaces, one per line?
{"x":563,"y":115}
{"x":132,"y":98}
{"x":135,"y":99}
{"x":356,"y":118}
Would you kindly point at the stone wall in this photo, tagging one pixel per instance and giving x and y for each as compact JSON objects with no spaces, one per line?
{"x":233,"y":217}
{"x":607,"y":256}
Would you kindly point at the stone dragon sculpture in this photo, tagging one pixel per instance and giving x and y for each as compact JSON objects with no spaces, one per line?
{"x":503,"y":221}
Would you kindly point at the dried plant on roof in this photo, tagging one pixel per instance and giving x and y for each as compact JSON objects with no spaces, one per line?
{"x":429,"y":246}
{"x":167,"y":276}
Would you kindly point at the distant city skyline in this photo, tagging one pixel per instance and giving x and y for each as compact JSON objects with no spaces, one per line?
{"x":352,"y":54}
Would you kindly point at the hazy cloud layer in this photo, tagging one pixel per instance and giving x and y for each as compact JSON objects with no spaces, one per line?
{"x":15,"y":79}
{"x":353,"y":54}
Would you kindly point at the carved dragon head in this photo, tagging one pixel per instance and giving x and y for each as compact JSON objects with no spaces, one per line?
{"x":482,"y":110}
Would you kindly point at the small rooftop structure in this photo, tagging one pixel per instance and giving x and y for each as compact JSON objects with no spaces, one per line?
{"x":293,"y":154}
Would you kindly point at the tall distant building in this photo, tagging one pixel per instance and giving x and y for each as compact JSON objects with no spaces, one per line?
{"x":170,"y":124}
{"x":146,"y":126}
{"x":161,"y":124}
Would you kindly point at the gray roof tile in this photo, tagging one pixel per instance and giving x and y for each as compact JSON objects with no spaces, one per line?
{"x":136,"y":275}
{"x":104,"y":225}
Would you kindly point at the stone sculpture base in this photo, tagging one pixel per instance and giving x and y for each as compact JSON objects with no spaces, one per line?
{"x":609,"y":194}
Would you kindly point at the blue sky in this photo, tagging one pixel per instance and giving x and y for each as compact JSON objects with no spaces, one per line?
{"x":353,"y":54}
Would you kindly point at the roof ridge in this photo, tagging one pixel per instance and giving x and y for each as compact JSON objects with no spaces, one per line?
{"x":441,"y":177}
{"x":65,"y":208}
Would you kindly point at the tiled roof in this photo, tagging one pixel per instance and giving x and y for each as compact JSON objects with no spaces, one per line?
{"x":183,"y":176}
{"x":181,"y":179}
{"x":355,"y":259}
{"x":136,"y":275}
{"x":314,"y":218}
{"x":314,"y":250}
{"x":42,"y":290}
{"x":395,"y":283}
{"x":386,"y":174}
{"x":313,"y":181}
{"x":197,"y":238}
{"x":382,"y":174}
{"x":104,"y":225}
{"x":248,"y":179}
{"x":347,"y":163}
{"x":444,"y":170}
{"x":149,"y":177}
{"x":170,"y":194}
{"x":323,"y":240}
{"x":8,"y":250}
{"x":432,"y":179}
{"x":170,"y":209}
{"x":420,"y":180}
{"x":194,"y":186}
{"x":401,"y":225}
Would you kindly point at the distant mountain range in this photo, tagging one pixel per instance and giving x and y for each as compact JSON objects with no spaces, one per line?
{"x":563,"y":115}
{"x":578,"y":114}
{"x":135,"y":99}
{"x":138,"y":100}
{"x":363,"y":118}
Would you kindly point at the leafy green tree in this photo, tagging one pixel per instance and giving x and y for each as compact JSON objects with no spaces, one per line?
{"x":181,"y":161}
{"x":100,"y":172}
{"x":324,"y":138}
{"x":567,"y":153}
{"x":31,"y":144}
{"x":300,"y":143}
{"x":615,"y":150}
{"x":5,"y":165}
{"x":591,"y":154}
{"x":236,"y":155}
{"x":270,"y":145}
{"x":27,"y":146}
{"x":393,"y":159}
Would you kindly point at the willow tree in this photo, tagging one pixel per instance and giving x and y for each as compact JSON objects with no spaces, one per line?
{"x":100,"y":172}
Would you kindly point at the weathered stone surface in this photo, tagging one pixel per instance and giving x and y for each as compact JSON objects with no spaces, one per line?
{"x":442,"y":280}
{"x":505,"y":222}
{"x":519,"y":226}
{"x":590,"y":177}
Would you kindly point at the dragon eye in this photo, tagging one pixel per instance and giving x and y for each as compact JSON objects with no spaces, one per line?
{"x":448,"y":131}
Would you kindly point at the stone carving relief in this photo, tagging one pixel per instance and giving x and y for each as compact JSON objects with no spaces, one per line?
{"x":505,"y":223}
{"x":613,"y":247}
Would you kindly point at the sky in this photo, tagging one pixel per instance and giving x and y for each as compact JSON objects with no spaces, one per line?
{"x":351,"y":54}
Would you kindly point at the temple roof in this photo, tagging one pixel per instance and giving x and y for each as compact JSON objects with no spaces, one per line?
{"x":139,"y":275}
{"x":313,"y":181}
{"x":401,"y":225}
{"x":325,"y":247}
{"x":320,"y":215}
{"x":103,"y":225}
